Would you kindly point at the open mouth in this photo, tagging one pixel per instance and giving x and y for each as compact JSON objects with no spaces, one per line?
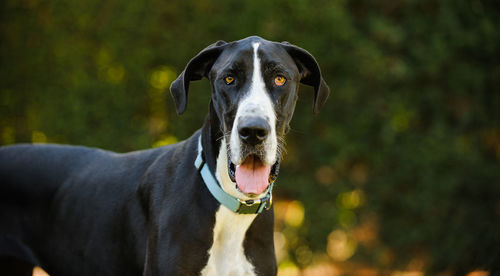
{"x":253,"y":176}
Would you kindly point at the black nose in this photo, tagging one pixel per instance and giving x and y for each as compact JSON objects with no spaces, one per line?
{"x":253,"y":130}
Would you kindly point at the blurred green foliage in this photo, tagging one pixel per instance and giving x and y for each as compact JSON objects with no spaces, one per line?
{"x":404,"y":157}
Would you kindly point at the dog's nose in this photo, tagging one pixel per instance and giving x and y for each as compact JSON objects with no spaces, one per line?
{"x":253,"y":130}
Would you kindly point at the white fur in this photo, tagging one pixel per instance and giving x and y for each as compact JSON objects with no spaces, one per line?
{"x":226,"y":255}
{"x":255,"y":103}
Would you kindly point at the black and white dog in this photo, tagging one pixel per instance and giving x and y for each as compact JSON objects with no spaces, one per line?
{"x":201,"y":206}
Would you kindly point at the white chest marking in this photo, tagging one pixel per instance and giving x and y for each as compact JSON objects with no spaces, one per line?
{"x":226,"y":255}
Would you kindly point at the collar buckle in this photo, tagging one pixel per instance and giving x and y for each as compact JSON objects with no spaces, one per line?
{"x":255,"y":206}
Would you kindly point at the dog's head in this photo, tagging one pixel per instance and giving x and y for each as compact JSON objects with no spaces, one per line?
{"x":254,"y":90}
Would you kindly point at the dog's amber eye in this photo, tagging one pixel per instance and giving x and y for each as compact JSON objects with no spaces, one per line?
{"x":279,"y":80}
{"x":229,"y":79}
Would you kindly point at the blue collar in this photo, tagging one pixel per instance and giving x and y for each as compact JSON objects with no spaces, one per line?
{"x":234,"y":204}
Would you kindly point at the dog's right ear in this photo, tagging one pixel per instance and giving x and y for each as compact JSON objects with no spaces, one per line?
{"x":197,"y":68}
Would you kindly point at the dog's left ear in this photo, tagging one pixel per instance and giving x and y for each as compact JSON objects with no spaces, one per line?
{"x":310,"y":74}
{"x":197,"y":68}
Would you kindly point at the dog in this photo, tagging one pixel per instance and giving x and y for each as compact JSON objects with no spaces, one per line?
{"x":202,"y":206}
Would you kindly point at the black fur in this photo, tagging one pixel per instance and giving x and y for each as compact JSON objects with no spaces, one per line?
{"x":85,"y":211}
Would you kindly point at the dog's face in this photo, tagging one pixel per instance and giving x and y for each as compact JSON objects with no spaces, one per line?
{"x":254,"y":90}
{"x":254,"y":93}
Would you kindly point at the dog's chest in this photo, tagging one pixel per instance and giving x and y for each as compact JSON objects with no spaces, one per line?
{"x":227,"y":256}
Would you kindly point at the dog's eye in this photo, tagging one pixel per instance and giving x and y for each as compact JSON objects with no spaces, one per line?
{"x":229,"y":79}
{"x":279,"y":80}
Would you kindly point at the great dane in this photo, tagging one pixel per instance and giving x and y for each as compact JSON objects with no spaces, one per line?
{"x":198,"y":207}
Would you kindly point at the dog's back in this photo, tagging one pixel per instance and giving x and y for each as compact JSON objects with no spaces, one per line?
{"x":30,"y":177}
{"x":47,"y":189}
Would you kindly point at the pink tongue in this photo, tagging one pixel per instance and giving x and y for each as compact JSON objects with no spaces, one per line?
{"x":252,"y":176}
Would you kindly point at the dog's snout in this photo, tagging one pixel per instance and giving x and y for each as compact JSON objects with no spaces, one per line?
{"x":253,"y":130}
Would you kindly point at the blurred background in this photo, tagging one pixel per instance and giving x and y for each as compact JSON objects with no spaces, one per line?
{"x":398,"y":175}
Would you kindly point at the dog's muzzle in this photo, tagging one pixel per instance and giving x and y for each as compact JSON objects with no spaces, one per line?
{"x":253,"y":174}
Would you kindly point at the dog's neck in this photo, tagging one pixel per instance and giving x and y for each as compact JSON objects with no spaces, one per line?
{"x":211,"y":136}
{"x":229,"y":231}
{"x":230,"y":228}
